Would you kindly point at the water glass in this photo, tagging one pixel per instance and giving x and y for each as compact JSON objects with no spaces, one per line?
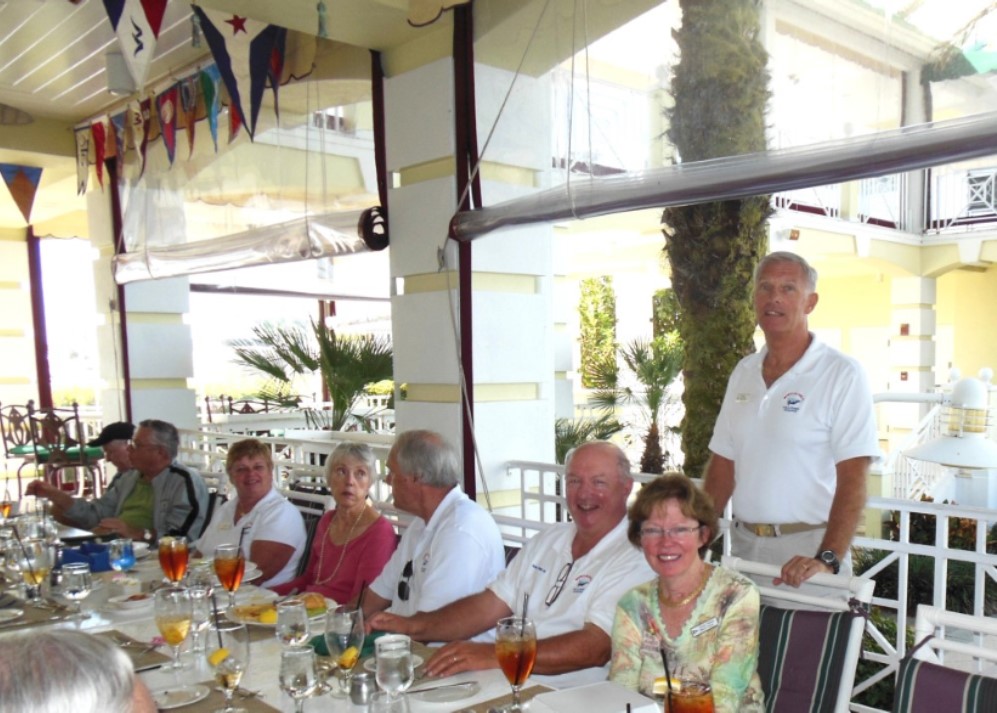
{"x":200,"y":600}
{"x":297,"y":674}
{"x":344,"y":635}
{"x":77,"y":583}
{"x":174,"y":612}
{"x":228,"y":655}
{"x":121,"y":554}
{"x":516,"y":650}
{"x":394,"y":670}
{"x":292,"y":623}
{"x":35,"y":563}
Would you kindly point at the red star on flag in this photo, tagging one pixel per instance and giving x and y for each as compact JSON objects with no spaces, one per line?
{"x":238,"y":24}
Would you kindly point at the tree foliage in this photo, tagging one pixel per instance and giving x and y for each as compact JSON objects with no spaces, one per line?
{"x":597,"y":313}
{"x":346,"y":364}
{"x":720,"y":89}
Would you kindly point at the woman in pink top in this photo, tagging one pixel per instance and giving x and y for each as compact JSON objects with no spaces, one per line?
{"x":353,"y":542}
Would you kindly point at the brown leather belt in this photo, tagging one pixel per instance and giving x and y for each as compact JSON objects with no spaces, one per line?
{"x":761,"y":529}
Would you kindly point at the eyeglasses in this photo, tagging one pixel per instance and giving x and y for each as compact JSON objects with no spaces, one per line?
{"x":674,"y":533}
{"x":403,"y":588}
{"x":562,"y":578}
{"x":136,"y":445}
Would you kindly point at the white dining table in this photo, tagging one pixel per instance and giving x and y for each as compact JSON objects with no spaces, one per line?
{"x":264,"y":653}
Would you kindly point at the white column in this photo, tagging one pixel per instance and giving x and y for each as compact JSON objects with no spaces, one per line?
{"x":512,"y":284}
{"x":912,"y":350}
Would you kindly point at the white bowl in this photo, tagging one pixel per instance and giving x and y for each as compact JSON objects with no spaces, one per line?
{"x":140,"y":549}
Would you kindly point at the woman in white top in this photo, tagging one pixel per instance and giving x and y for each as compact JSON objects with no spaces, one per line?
{"x":274,"y":531}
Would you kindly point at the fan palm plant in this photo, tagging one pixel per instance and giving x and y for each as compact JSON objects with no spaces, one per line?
{"x":654,"y":365}
{"x":346,"y":363}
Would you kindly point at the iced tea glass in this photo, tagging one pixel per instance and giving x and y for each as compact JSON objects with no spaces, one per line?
{"x":516,"y":650}
{"x":690,"y":697}
{"x":230,"y":565}
{"x":173,"y":557}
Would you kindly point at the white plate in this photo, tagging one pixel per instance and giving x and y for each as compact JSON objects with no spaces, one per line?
{"x":124,"y":601}
{"x":252,"y":572}
{"x":140,"y":549}
{"x":10,"y":614}
{"x":231,"y":615}
{"x":445,"y":695}
{"x":167,"y":698}
{"x":371,"y":663}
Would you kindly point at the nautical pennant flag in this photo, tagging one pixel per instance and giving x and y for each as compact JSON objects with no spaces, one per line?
{"x":209,"y":88}
{"x":188,"y":109}
{"x":166,"y":103}
{"x":243,"y":51}
{"x":120,"y":141}
{"x":98,"y":137}
{"x":82,"y":160}
{"x":22,"y":181}
{"x":136,"y":23}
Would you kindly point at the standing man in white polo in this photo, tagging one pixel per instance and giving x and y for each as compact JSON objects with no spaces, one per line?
{"x":795,"y":435}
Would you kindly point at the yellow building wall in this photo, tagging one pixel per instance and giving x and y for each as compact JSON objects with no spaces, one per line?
{"x":967,"y":315}
{"x":17,"y":345}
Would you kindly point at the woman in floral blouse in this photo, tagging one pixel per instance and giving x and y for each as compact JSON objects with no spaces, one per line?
{"x":704,"y":617}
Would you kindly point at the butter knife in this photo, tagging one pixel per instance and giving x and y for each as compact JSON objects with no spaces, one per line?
{"x":462,"y":684}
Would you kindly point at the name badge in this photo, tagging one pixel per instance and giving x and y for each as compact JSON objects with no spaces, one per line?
{"x":650,"y":645}
{"x":705,"y":626}
{"x":224,"y":526}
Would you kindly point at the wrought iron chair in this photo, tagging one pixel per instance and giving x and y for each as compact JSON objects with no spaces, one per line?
{"x":807,"y":657}
{"x":17,"y":444}
{"x":59,"y":445}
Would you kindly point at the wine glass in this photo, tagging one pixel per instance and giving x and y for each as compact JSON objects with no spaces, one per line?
{"x":516,"y":650}
{"x":297,"y":674}
{"x":173,"y":557}
{"x":394,"y":670}
{"x":230,"y":565}
{"x":121,"y":554}
{"x":174,"y":613}
{"x":35,"y":563}
{"x":292,"y":623}
{"x":200,"y":601}
{"x":228,"y":655}
{"x":344,"y":635}
{"x":77,"y":582}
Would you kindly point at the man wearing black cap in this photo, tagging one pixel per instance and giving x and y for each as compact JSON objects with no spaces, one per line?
{"x":157,"y":496}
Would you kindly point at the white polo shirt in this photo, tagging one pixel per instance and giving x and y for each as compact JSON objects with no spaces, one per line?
{"x":594,"y":585}
{"x":786,"y":440}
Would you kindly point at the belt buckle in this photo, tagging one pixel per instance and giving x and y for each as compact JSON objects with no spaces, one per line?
{"x":766,"y":531}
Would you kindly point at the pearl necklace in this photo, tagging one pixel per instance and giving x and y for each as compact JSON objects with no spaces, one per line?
{"x":342,"y":555}
{"x":670,"y":604}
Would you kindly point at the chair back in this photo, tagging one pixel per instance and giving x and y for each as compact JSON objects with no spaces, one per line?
{"x":311,"y":505}
{"x":57,"y":436}
{"x":807,"y":657}
{"x":16,"y":430}
{"x":926,"y":683}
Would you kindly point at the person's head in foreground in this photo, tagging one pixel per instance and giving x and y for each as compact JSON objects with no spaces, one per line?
{"x":69,"y":672}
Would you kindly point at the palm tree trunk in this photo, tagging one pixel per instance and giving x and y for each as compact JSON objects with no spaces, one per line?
{"x":720,"y":88}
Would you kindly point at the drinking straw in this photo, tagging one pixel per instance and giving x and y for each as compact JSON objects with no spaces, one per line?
{"x":242,"y":535}
{"x":668,"y":675}
{"x":363,"y":590}
{"x":214,"y":610}
{"x":24,"y":551}
{"x":526,"y":603}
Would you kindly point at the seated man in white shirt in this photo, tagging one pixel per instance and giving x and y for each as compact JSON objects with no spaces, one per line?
{"x":574,"y":574}
{"x":451,"y":549}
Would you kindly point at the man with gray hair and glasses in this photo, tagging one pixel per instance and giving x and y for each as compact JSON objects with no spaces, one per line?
{"x":574,"y":573}
{"x":451,"y":549}
{"x":67,"y":671}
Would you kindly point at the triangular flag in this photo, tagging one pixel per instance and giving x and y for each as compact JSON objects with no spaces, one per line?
{"x":82,"y":160}
{"x":243,"y":50}
{"x":234,"y":124}
{"x":166,"y":103}
{"x":209,"y":89}
{"x":138,"y":119}
{"x":136,"y":23}
{"x":276,"y":69}
{"x":120,"y":144}
{"x":98,"y":135}
{"x":188,"y":109}
{"x":23,"y":184}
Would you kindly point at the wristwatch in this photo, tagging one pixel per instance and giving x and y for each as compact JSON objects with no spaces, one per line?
{"x":147,"y":536}
{"x":830,"y":559}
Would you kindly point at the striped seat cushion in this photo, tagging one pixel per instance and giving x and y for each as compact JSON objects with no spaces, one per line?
{"x":924,"y":687}
{"x":801,"y":657}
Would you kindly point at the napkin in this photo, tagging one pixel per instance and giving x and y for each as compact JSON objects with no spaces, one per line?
{"x":318,"y":643}
{"x":92,"y":553}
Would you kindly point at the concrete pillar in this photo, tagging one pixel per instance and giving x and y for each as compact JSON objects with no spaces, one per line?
{"x":911,"y":352}
{"x":512,"y":284}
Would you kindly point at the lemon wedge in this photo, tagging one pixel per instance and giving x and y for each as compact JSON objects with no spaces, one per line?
{"x":268,"y":616}
{"x":661,"y":687}
{"x":348,"y":658}
{"x":218,"y":656}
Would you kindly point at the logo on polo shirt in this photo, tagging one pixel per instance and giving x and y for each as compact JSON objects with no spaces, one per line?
{"x":581,"y":582}
{"x":792,"y":402}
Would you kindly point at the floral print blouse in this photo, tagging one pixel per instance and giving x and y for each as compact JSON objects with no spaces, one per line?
{"x":718,"y":643}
